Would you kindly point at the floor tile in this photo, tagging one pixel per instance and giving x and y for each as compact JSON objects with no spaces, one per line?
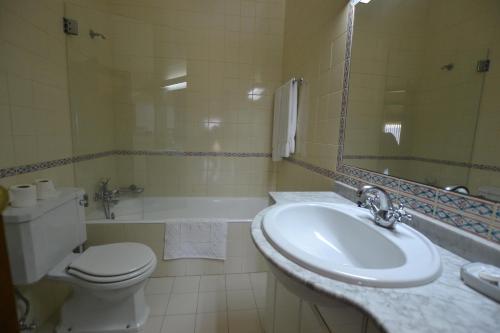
{"x":159,"y":285}
{"x":179,"y":324}
{"x":244,"y":322}
{"x":212,"y":283}
{"x":153,"y":325}
{"x":211,"y":301}
{"x":240,"y":300}
{"x":259,"y":288}
{"x":182,"y":303}
{"x":263,"y":316}
{"x":157,"y":303}
{"x":258,"y":281}
{"x":238,"y":281}
{"x":211,"y":322}
{"x":186,"y":284}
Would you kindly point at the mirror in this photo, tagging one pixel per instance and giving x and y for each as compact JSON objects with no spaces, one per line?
{"x":424,"y":99}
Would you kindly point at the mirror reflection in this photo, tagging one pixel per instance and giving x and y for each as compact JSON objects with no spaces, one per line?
{"x":423,"y":99}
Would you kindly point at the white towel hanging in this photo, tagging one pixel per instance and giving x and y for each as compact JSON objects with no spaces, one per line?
{"x":285,"y":120}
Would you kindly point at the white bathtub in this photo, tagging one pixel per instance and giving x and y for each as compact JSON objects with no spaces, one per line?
{"x":165,"y":209}
{"x":143,"y":220}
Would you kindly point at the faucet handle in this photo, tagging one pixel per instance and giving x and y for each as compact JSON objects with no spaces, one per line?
{"x":400,"y":214}
{"x":368,"y":203}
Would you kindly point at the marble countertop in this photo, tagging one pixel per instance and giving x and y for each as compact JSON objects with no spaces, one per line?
{"x":445,"y":305}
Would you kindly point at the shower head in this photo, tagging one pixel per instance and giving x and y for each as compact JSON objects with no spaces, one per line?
{"x":93,"y":34}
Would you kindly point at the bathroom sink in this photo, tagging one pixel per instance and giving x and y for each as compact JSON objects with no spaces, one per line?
{"x":342,"y":242}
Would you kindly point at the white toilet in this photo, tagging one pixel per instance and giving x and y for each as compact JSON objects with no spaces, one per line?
{"x":107,"y":281}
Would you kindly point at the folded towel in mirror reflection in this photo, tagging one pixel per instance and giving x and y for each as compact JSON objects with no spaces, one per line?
{"x":285,"y":120}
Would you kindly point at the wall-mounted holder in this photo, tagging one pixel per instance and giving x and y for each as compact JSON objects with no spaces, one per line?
{"x":70,"y":26}
{"x":483,"y":65}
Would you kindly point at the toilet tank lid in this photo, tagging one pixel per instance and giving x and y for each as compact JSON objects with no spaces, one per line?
{"x":26,"y":214}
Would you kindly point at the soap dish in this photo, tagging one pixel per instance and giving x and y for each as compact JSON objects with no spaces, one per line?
{"x":483,"y":278}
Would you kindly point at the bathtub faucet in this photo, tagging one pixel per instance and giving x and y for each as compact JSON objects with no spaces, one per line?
{"x":107,"y":197}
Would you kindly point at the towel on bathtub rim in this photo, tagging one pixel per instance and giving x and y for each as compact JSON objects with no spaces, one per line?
{"x":205,"y":240}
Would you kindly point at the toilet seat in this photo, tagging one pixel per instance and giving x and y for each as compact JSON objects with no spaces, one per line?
{"x":112,"y":263}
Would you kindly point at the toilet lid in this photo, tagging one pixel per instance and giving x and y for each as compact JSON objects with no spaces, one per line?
{"x":112,"y":260}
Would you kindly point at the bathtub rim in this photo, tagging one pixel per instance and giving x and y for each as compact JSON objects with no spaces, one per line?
{"x":170,"y":220}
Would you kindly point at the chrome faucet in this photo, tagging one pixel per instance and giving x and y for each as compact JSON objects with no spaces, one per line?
{"x":458,"y":189}
{"x":379,"y":203}
{"x":107,"y":197}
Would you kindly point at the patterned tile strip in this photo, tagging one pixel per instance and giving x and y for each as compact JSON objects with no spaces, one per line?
{"x":475,"y":226}
{"x":345,"y":82}
{"x":495,"y":234}
{"x":22,"y":169}
{"x":33,"y":167}
{"x":311,"y":167}
{"x":466,"y":204}
{"x":421,"y":206}
{"x":418,"y":190}
{"x":189,"y":153}
{"x":486,"y":167}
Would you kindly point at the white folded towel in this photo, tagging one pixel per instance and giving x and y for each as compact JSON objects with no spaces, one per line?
{"x":195,"y":240}
{"x":285,"y":120}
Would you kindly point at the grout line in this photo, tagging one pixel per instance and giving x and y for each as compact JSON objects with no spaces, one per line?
{"x":227,"y":302}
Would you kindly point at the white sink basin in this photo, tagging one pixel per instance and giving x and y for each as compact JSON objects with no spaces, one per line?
{"x":342,"y":242}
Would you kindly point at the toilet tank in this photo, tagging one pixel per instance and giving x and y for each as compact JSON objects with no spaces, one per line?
{"x":41,"y":236}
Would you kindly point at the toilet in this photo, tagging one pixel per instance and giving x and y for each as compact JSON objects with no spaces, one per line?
{"x":107,"y":281}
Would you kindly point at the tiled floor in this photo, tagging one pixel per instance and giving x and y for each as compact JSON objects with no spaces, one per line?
{"x":206,"y":304}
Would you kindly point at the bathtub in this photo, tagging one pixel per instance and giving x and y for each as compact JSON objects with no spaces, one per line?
{"x":165,"y":209}
{"x":143,"y":220}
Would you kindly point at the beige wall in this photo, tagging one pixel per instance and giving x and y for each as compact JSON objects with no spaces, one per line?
{"x":314,"y":48}
{"x":387,"y":47}
{"x":34,"y":109}
{"x":482,"y":27}
{"x":198,"y":176}
{"x":90,"y":76}
{"x":229,"y":53}
{"x":446,"y":112}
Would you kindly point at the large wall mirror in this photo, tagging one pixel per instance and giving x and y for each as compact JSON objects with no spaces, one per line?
{"x":424,"y":93}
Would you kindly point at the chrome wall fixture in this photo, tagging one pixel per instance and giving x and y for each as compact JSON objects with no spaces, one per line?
{"x":93,"y":34}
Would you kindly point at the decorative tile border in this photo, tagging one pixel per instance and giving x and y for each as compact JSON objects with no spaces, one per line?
{"x":478,"y":227}
{"x":420,"y":206}
{"x":467,"y":213}
{"x":495,"y":234}
{"x":466,"y":204}
{"x":189,"y":153}
{"x":418,"y":190}
{"x":311,"y":167}
{"x":477,"y":166}
{"x":345,"y":82}
{"x":39,"y":166}
{"x":33,"y":167}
